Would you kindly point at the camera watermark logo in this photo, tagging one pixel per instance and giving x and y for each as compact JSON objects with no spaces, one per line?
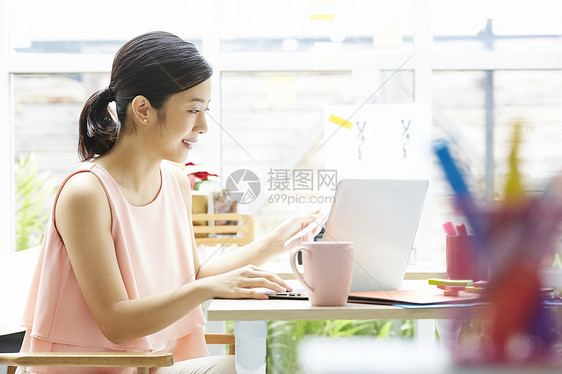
{"x":243,"y":186}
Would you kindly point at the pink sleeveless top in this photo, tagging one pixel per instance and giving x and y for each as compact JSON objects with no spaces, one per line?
{"x":153,"y":244}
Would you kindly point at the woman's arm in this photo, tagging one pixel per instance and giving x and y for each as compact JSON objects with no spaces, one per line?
{"x":83,"y":220}
{"x":255,"y":253}
{"x":259,"y":251}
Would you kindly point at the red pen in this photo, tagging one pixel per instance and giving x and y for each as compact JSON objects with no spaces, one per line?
{"x":461,"y":230}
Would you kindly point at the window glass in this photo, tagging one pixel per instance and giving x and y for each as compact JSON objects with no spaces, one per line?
{"x":533,"y":98}
{"x":459,"y":114}
{"x":273,"y":120}
{"x":273,"y":123}
{"x":45,"y":118}
{"x":519,"y":25}
{"x":296,"y":26}
{"x":45,"y":127}
{"x":100,"y":27}
{"x":530,"y":97}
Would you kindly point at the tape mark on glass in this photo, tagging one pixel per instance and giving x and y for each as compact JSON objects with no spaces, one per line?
{"x":340,"y":121}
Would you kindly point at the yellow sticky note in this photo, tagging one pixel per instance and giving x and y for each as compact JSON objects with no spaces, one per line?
{"x":388,"y":32}
{"x":322,"y":17}
{"x":449,"y":282}
{"x":340,"y":121}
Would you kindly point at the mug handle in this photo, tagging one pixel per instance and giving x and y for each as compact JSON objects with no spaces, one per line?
{"x":293,"y":261}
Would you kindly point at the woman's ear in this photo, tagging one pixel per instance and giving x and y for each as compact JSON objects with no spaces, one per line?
{"x":142,"y":110}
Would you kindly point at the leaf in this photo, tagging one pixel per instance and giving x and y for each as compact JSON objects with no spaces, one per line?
{"x":32,"y":192}
{"x":383,"y":333}
{"x":284,"y":337}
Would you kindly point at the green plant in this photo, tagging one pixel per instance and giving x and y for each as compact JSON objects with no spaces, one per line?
{"x":32,"y":192}
{"x":283,"y":337}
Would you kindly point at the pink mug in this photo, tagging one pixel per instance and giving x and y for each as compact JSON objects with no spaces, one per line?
{"x":328,"y":271}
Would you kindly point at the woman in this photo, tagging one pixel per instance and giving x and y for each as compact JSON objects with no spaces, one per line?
{"x":118,"y":269}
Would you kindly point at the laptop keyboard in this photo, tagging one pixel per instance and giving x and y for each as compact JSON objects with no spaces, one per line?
{"x":299,"y":294}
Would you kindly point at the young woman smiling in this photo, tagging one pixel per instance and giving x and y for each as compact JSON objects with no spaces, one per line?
{"x":118,"y":269}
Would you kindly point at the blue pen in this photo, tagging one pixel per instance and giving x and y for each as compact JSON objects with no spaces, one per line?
{"x":453,"y":174}
{"x":462,"y":195}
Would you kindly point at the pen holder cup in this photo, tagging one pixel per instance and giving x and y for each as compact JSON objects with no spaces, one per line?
{"x":462,"y":260}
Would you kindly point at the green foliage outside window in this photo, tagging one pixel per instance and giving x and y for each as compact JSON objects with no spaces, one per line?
{"x":283,"y":337}
{"x":33,"y":192}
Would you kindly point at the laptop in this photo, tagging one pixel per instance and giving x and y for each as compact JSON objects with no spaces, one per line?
{"x":381,"y":217}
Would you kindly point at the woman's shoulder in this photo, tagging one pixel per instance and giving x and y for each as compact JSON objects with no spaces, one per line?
{"x":181,"y":177}
{"x":82,"y":190}
{"x":82,"y":183}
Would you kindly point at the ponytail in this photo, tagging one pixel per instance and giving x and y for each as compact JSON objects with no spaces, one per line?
{"x":98,"y":129}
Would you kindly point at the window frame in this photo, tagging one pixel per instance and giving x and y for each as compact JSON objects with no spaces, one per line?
{"x":423,"y":62}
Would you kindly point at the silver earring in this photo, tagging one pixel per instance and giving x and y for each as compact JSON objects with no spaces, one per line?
{"x":145,"y":120}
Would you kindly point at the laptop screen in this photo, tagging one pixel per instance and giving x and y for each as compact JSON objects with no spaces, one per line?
{"x":381,"y":217}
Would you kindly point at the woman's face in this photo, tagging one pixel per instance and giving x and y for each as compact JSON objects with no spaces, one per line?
{"x":184,"y":121}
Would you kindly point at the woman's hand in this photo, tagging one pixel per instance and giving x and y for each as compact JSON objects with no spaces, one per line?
{"x":293,"y":225}
{"x":242,"y":283}
{"x":261,"y":250}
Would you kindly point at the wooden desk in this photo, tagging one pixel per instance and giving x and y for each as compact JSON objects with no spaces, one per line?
{"x":291,"y":310}
{"x":251,"y":318}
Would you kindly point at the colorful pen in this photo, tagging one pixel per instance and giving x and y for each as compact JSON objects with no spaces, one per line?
{"x":461,"y":230}
{"x":449,"y":228}
{"x":463,"y":197}
{"x":452,"y":173}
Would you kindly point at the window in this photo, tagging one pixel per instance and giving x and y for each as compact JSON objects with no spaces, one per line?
{"x":274,"y":125}
{"x":278,"y":64}
{"x":316,"y":26}
{"x":45,"y":118}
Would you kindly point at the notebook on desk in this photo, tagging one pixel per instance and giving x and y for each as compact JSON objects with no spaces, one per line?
{"x":423,"y":296}
{"x":381,"y":217}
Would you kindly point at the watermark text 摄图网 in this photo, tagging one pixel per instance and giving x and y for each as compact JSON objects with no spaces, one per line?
{"x":287,"y":186}
{"x":301,"y":186}
{"x":302,"y":179}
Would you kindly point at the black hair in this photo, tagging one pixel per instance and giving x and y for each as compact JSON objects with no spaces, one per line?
{"x":155,"y":65}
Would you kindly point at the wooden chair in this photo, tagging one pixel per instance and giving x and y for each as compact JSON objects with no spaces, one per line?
{"x":227,"y":339}
{"x":142,"y":361}
{"x":227,"y":229}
